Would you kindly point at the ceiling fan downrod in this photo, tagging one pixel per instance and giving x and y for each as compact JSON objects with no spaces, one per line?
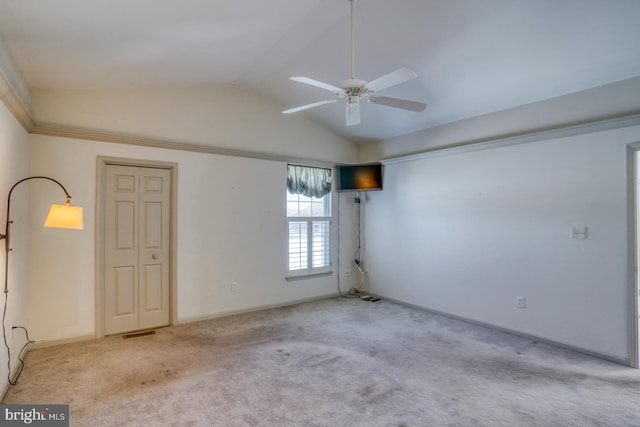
{"x":353,"y":49}
{"x":353,"y":86}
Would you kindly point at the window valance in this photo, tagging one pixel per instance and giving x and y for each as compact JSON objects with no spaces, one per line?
{"x":308,"y":181}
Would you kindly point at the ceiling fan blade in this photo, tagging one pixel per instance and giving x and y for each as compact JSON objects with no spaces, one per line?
{"x":306,"y":107}
{"x":396,"y":77}
{"x":404,"y":104}
{"x":316,"y":83}
{"x":353,"y":112}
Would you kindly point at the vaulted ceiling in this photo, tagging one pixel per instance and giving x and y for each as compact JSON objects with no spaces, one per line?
{"x":472,"y":57}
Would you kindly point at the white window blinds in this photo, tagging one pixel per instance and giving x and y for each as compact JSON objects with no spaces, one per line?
{"x":309,"y":219}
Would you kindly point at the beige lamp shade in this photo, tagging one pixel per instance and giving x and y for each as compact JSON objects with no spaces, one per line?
{"x":65,"y":216}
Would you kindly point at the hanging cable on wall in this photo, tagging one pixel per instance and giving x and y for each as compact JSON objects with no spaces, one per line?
{"x":351,"y":293}
{"x":357,"y":256}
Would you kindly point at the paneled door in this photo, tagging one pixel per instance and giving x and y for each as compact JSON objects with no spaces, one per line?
{"x":136,"y":251}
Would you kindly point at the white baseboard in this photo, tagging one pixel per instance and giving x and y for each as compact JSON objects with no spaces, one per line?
{"x":59,"y":341}
{"x":611,"y":358}
{"x":252,"y":309}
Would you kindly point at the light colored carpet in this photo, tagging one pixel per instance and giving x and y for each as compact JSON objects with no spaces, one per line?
{"x":334,"y":362}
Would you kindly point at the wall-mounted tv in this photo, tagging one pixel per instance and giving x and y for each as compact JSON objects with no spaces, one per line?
{"x":360,"y":177}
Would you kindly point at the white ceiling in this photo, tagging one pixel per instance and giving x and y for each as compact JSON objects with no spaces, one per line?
{"x":472,"y":56}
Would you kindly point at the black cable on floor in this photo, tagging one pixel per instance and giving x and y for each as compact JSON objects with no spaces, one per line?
{"x":6,"y":343}
{"x":29,"y":341}
{"x":4,"y":334}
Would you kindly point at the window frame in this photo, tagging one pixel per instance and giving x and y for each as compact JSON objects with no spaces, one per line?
{"x":311,"y":271}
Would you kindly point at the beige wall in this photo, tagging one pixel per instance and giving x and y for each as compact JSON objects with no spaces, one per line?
{"x":224,"y":117}
{"x":231,"y":223}
{"x":14,"y":165}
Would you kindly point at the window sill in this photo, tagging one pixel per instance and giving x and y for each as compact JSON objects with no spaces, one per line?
{"x":308,"y":276}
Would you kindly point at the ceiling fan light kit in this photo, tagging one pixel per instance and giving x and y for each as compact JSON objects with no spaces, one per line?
{"x":354,"y":90}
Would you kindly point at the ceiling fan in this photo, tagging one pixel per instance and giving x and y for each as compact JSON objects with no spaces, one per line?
{"x":355,"y":90}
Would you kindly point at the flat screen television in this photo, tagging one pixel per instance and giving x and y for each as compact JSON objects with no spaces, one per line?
{"x":360,"y":177}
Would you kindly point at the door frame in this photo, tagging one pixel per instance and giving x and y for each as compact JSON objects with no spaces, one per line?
{"x":633,"y":240}
{"x":102,"y":162}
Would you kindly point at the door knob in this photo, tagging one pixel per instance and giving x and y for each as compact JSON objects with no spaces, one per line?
{"x":154,"y":256}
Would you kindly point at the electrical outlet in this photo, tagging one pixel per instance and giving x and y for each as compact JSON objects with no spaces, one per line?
{"x":578,"y":232}
{"x":234,"y":286}
{"x":521,"y":302}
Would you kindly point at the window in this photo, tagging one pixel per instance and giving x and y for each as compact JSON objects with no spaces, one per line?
{"x":309,"y":223}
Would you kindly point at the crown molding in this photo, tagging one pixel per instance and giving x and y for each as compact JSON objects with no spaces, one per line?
{"x":52,"y":129}
{"x":562,"y":131}
{"x":14,"y":104}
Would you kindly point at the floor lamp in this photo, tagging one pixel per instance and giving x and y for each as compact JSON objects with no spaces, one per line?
{"x":60,"y":216}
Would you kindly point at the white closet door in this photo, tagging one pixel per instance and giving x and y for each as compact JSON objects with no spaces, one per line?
{"x":136,"y":248}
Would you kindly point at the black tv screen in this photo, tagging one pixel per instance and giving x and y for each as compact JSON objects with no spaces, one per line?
{"x":360,"y":177}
